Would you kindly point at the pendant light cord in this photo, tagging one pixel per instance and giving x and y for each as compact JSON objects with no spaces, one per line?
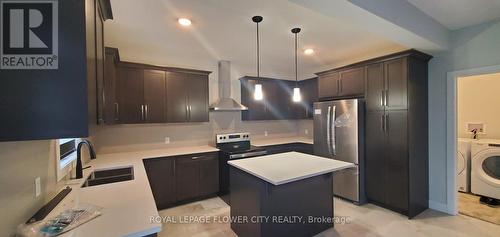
{"x":258,"y":53}
{"x":296,"y":71}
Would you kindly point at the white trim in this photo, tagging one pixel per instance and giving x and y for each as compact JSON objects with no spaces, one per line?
{"x":451,"y":135}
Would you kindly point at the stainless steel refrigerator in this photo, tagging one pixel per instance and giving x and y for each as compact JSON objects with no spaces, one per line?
{"x":339,"y":135}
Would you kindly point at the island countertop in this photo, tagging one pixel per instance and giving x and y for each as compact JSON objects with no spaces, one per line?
{"x":288,"y":167}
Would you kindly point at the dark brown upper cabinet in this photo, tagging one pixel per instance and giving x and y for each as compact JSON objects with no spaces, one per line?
{"x":59,"y":103}
{"x":396,"y":82}
{"x":140,"y":93}
{"x":187,"y":98}
{"x":131,"y":89}
{"x":375,"y":87}
{"x":347,"y":83}
{"x":257,"y":109}
{"x":197,"y":98}
{"x":386,"y":85}
{"x":309,"y":92}
{"x":277,"y":103}
{"x":328,"y":85}
{"x":111,"y":109}
{"x":154,"y":96}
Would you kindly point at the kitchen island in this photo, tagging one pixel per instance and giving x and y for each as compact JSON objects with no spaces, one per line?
{"x":286,"y":194}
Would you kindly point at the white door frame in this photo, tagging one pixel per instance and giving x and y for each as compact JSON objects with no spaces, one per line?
{"x":451,"y":131}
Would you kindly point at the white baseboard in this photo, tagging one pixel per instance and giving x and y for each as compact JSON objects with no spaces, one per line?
{"x":442,"y":207}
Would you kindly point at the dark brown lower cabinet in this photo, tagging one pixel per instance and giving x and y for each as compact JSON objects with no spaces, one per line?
{"x":161,"y":176}
{"x":184,"y":178}
{"x":388,"y":163}
{"x":187,"y":178}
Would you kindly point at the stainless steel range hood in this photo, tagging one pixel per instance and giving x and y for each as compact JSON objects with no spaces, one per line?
{"x":225,"y":102}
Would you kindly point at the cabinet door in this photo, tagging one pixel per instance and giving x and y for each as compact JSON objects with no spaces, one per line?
{"x":209,"y":174}
{"x":272,"y":95}
{"x":375,"y":157}
{"x":396,"y":84}
{"x":397,"y":160}
{"x":256,"y":108}
{"x":198,"y":98}
{"x":352,"y":82}
{"x":279,"y":98}
{"x":99,"y":39}
{"x":375,"y":87}
{"x":154,"y":96}
{"x":328,"y":85}
{"x":161,"y":176}
{"x":111,"y":106}
{"x":132,"y":95}
{"x":187,"y":178}
{"x":177,"y":97}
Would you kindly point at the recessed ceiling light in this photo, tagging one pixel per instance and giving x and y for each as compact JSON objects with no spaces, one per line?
{"x":184,"y":21}
{"x":309,"y":51}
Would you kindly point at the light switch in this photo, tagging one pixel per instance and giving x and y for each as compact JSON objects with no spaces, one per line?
{"x":265,"y":133}
{"x":167,"y":140}
{"x":306,"y":131}
{"x":38,"y":187}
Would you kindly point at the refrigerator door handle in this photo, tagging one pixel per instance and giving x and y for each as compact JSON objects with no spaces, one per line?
{"x":328,"y":129}
{"x":333,"y":133}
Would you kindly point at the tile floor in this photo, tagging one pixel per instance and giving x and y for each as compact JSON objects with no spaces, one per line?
{"x":367,"y":220}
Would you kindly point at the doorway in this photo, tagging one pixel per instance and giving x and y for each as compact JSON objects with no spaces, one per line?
{"x":467,"y":116}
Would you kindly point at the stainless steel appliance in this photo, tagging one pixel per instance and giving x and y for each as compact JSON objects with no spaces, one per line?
{"x":233,"y":146}
{"x":338,"y":134}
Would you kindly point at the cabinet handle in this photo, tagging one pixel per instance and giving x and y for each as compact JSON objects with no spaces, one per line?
{"x":196,"y":157}
{"x":117,"y":112}
{"x":382,"y":118}
{"x":187,"y":109}
{"x":382,"y":98}
{"x":146,"y":108}
{"x":340,"y":85}
{"x":142,"y":112}
{"x":386,"y":97}
{"x":386,"y":116}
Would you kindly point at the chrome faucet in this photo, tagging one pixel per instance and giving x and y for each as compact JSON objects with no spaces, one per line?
{"x":79,"y":168}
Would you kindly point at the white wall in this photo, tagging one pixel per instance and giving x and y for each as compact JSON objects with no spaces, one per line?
{"x":478,"y":100}
{"x":472,"y":47}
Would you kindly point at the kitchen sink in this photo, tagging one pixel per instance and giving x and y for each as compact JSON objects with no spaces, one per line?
{"x":106,"y":176}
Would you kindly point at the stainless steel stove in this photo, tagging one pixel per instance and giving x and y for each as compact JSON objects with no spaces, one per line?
{"x":233,"y":146}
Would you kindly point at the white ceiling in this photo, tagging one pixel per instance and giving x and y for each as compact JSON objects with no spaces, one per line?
{"x":456,"y":14}
{"x":147,"y":31}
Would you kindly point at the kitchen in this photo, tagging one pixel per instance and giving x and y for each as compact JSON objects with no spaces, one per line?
{"x":162,"y":99}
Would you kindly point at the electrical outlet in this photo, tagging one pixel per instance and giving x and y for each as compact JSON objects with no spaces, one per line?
{"x":167,"y":140}
{"x":306,"y":131}
{"x":265,"y":133}
{"x":38,"y":187}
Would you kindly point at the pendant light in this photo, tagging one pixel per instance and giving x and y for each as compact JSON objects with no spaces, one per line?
{"x":258,"y":94}
{"x":296,"y":90}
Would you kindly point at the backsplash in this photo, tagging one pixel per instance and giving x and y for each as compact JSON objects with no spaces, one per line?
{"x":112,"y":138}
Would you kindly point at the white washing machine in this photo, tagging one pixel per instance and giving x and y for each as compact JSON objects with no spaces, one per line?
{"x":485,"y":168}
{"x":463,"y":164}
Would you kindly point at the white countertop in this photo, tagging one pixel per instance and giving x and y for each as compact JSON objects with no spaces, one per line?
{"x":288,"y":167}
{"x":280,"y":140}
{"x":127,"y":206}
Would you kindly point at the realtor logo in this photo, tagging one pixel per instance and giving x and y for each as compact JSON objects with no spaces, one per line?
{"x":29,"y":35}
